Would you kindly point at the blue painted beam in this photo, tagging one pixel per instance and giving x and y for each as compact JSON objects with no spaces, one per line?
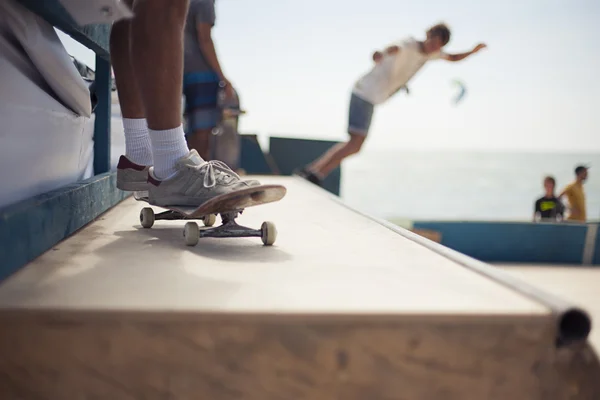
{"x":33,"y":226}
{"x":292,"y":153}
{"x":252,"y":157}
{"x":103,"y":116}
{"x":94,"y":36}
{"x":548,"y":243}
{"x":596,"y":259}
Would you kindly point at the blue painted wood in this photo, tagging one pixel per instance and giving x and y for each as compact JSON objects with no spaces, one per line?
{"x":94,"y":36}
{"x":596,"y":259}
{"x":103,"y":116}
{"x":31,"y":227}
{"x":513,"y":242}
{"x":293,"y":153}
{"x":252,"y":157}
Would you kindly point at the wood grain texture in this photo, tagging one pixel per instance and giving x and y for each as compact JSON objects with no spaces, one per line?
{"x":240,"y":200}
{"x":341,"y":308}
{"x":56,"y":355}
{"x":31,"y":227}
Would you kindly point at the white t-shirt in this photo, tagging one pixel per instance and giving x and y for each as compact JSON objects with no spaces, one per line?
{"x":393,"y":72}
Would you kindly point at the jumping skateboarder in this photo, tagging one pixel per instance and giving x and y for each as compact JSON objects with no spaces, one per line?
{"x":393,"y":68}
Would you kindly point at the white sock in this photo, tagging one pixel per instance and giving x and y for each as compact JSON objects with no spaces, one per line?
{"x":168,"y":146}
{"x":137,"y":141}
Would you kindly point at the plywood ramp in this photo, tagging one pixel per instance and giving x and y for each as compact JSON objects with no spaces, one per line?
{"x":579,"y":284}
{"x":340,"y":307}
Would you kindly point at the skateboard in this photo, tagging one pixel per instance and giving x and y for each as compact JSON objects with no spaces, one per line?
{"x":229,"y":206}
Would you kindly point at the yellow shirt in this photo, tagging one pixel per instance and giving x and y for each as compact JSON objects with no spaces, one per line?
{"x":576,"y":197}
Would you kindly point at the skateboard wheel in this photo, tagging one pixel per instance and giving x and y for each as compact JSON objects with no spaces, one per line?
{"x":269,"y":233}
{"x":147,"y":217}
{"x":210,"y":219}
{"x":191,"y":233}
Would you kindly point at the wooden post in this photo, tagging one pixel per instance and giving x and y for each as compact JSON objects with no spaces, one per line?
{"x":103,"y":113}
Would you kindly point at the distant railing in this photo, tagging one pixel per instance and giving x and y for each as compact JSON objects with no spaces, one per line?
{"x":520,"y":242}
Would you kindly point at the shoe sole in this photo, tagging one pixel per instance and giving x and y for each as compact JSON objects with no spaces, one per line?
{"x":132,"y":186}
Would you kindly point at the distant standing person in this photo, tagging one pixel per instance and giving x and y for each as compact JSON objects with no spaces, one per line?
{"x":227,"y":144}
{"x":202,"y":76}
{"x":576,"y":195}
{"x":548,"y":207}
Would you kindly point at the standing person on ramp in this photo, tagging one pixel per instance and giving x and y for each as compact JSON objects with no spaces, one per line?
{"x":147,"y":55}
{"x":393,"y":68}
{"x":202,"y":77}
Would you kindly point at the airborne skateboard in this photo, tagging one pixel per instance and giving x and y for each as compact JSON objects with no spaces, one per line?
{"x":229,"y":206}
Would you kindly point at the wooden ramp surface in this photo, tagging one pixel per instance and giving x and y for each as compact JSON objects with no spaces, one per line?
{"x":578,"y":284}
{"x":339,"y":308}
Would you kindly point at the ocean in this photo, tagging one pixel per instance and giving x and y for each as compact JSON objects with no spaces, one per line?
{"x":460,"y":185}
{"x":403,"y":186}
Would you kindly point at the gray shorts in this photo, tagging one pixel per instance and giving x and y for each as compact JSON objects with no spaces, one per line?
{"x":359,"y":116}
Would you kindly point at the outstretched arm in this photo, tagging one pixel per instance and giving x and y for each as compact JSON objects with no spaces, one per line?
{"x":462,"y":56}
{"x":566,"y":190}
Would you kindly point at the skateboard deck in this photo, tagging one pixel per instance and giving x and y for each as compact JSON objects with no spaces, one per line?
{"x":235,"y":201}
{"x":228,"y":205}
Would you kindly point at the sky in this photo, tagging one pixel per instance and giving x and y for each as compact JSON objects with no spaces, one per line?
{"x":535,"y":88}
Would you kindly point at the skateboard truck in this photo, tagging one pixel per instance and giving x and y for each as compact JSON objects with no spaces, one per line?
{"x":228,"y":229}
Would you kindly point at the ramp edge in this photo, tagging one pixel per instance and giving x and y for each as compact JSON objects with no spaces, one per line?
{"x":31,"y":227}
{"x":572,"y":323}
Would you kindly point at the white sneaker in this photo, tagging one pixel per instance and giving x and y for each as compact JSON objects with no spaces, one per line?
{"x":194,"y":182}
{"x":131,"y":176}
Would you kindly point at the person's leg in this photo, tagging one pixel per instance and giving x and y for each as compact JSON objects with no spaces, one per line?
{"x":157,"y":59}
{"x":359,"y":121}
{"x":334,"y":156}
{"x":200,"y":141}
{"x":132,"y":170}
{"x":201,"y":90}
{"x":179,"y":176}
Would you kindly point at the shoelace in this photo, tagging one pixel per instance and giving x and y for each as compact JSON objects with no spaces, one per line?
{"x":214,"y":168}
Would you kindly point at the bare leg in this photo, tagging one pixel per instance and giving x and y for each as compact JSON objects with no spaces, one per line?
{"x":200,"y":140}
{"x":128,"y":92}
{"x":156,"y":51}
{"x":138,"y":149}
{"x":334,"y":156}
{"x":157,"y":58}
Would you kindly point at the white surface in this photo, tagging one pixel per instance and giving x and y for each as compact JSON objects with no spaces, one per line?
{"x":44,"y":144}
{"x":327,"y":259}
{"x":45,"y":50}
{"x":97,"y":11}
{"x":42,"y":141}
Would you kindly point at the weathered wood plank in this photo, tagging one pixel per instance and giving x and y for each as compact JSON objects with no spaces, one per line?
{"x":30,"y":227}
{"x":102,"y":147}
{"x":185,"y":357}
{"x":340,"y":308}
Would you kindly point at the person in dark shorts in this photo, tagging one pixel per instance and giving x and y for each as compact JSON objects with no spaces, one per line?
{"x":548,"y":207}
{"x":392,"y":69}
{"x":203,"y":77}
{"x":226,"y":144}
